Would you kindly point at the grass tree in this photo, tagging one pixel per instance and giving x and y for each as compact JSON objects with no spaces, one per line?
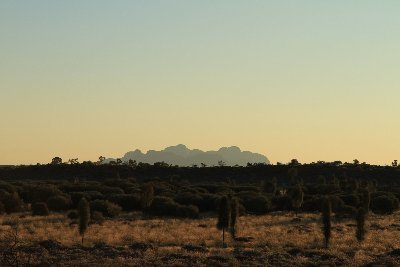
{"x":224,"y":216}
{"x":326,"y":220}
{"x":234,"y":215}
{"x":84,"y":216}
{"x":366,"y":199}
{"x":360,"y":218}
{"x":147,"y":196}
{"x":297,"y":198}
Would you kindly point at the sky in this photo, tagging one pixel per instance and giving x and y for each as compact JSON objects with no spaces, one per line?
{"x":311,"y":80}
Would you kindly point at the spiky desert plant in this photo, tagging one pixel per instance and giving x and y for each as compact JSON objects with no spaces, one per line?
{"x":360,"y":218}
{"x":297,"y":198}
{"x":84,"y":216}
{"x":224,"y":216}
{"x":234,"y":215}
{"x":366,"y":199}
{"x":147,"y":196}
{"x":326,"y":220}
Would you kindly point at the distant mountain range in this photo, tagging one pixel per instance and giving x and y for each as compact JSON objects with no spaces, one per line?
{"x":182,"y":156}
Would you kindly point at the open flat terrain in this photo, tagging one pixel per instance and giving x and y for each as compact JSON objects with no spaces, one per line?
{"x":277,"y":239}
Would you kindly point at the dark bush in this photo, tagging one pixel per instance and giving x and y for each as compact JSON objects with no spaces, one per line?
{"x":133,"y":190}
{"x":108,"y":190}
{"x":242,"y":188}
{"x":7,"y":187}
{"x":41,"y":193}
{"x":281,"y":203}
{"x":336,"y":202}
{"x":214,"y":188}
{"x":2,"y":208}
{"x":97,"y":217}
{"x":40,"y":209}
{"x":12,"y":202}
{"x":312,"y":204}
{"x":58,"y":203}
{"x":107,"y":208}
{"x":164,"y":206}
{"x":256,"y":204}
{"x":350,"y":199}
{"x":346,"y":211}
{"x":209,"y":202}
{"x":128,"y":202}
{"x":73,"y":214}
{"x":188,"y":198}
{"x":89,"y":195}
{"x":384,"y":204}
{"x":187,"y":211}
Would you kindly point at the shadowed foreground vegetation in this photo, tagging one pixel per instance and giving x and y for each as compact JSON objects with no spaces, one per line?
{"x":329,"y":214}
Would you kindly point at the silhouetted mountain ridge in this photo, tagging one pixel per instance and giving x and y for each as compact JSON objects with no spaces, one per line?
{"x":182,"y":156}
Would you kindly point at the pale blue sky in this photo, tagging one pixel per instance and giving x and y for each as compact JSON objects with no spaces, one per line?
{"x":313,"y":80}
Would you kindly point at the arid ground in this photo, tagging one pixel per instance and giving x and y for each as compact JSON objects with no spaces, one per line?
{"x":277,"y":239}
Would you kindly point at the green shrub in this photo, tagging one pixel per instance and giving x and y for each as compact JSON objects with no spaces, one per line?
{"x":40,"y":209}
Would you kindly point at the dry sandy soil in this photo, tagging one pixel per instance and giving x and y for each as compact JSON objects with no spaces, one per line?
{"x":279,"y":239}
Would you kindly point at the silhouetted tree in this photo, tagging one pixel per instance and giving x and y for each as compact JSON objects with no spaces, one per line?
{"x":294,"y":162}
{"x":326,"y":220}
{"x":84,"y":216}
{"x":101,"y":160}
{"x":73,"y":161}
{"x":360,"y":217}
{"x":56,"y":161}
{"x":224,"y":216}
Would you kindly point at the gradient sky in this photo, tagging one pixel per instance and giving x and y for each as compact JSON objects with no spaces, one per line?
{"x":312,"y":80}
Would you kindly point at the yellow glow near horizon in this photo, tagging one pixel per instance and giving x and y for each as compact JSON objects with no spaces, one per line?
{"x":311,"y":80}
